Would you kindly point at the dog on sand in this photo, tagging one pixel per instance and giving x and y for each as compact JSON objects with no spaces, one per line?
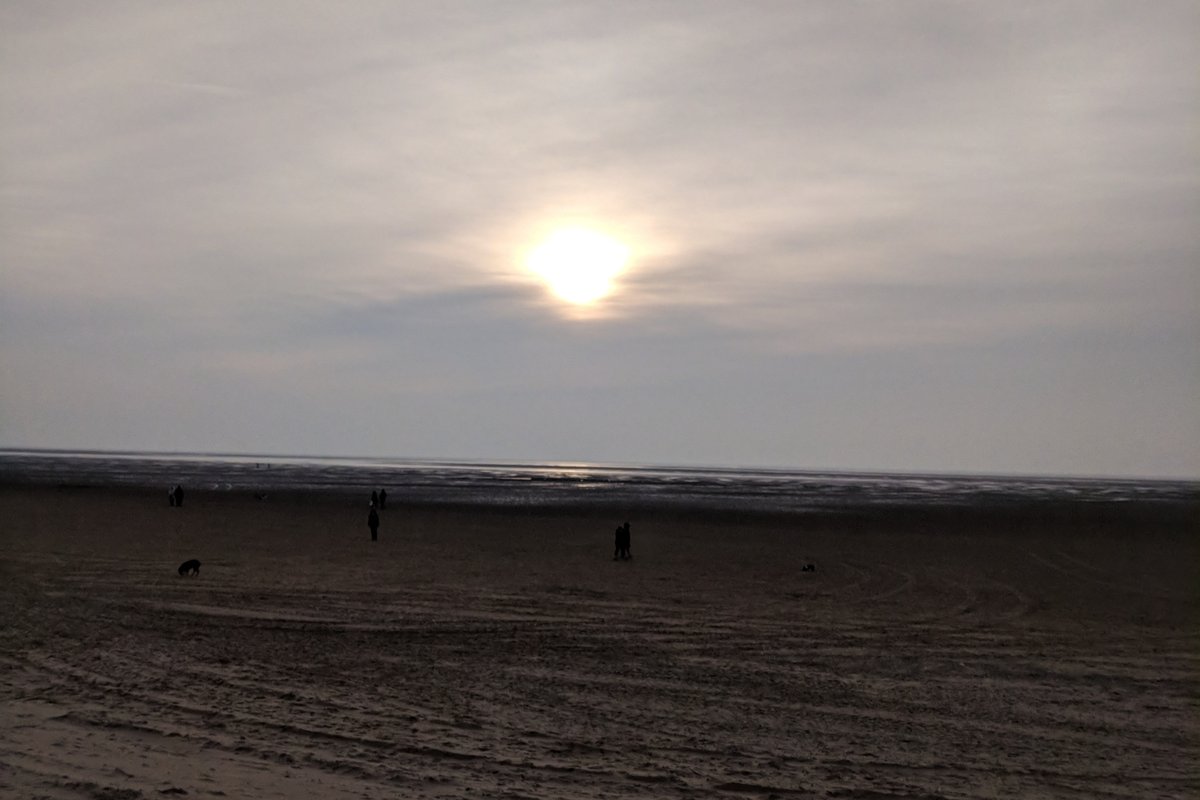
{"x":189,"y":568}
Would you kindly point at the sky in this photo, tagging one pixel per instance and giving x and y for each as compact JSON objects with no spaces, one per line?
{"x":921,"y":236}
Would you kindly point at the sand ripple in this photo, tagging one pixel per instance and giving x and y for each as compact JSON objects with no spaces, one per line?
{"x":497,"y":656}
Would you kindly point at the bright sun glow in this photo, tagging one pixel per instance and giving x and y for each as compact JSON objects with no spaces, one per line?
{"x":579,"y":265}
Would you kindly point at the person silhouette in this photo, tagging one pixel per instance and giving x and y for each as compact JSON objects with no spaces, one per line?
{"x":374,"y":499}
{"x":373,"y":523}
{"x":621,"y":543}
{"x":382,"y":498}
{"x":178,"y":495}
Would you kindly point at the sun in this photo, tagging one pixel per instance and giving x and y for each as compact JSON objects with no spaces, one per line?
{"x":578,"y":264}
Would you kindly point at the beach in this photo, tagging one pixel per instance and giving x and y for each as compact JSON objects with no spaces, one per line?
{"x":501,"y":652}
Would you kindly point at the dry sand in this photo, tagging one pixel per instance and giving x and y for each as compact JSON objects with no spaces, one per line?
{"x":477,"y":654}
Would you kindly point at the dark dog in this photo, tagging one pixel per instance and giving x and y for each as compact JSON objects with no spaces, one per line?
{"x":189,"y":567}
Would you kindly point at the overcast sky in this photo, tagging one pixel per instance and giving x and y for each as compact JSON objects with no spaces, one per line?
{"x":896,"y":236}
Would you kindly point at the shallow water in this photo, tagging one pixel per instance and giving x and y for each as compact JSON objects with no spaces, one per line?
{"x":554,"y":484}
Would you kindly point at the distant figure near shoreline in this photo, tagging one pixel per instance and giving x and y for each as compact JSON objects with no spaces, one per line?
{"x":622,"y":543}
{"x":382,"y":498}
{"x":373,"y":523}
{"x":177,"y":496}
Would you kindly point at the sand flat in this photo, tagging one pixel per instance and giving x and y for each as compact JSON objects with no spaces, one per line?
{"x":473,"y":654}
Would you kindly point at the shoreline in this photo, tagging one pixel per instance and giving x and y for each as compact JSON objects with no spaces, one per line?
{"x":1155,"y":516}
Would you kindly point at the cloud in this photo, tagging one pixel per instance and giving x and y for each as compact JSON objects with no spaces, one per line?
{"x":262,"y":187}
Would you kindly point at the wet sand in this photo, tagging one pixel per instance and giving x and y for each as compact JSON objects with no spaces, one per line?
{"x":474,"y":653}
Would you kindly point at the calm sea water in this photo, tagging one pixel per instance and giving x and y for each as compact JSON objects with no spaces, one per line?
{"x":559,"y":484}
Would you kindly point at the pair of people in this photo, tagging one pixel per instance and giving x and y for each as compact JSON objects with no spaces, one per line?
{"x":379,"y":499}
{"x":621,"y":548}
{"x":175,"y":496}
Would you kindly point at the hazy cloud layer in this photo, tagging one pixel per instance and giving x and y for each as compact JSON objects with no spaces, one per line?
{"x":908,"y":236}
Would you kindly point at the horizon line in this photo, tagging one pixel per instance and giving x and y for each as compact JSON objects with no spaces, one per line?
{"x":600,"y":465}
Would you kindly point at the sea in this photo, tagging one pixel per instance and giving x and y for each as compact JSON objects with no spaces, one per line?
{"x":550,"y":485}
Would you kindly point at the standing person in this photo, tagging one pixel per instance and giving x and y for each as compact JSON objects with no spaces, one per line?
{"x":171,"y":497}
{"x":373,"y":523}
{"x":178,"y":495}
{"x":382,"y":498}
{"x":374,"y":499}
{"x":621,"y":543}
